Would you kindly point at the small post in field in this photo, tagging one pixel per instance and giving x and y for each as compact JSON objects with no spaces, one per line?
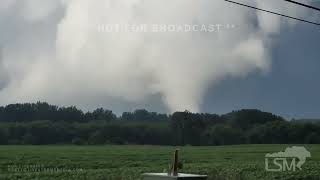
{"x":175,"y":163}
{"x":174,"y":172}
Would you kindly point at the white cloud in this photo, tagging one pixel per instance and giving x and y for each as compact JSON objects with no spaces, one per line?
{"x":36,"y":10}
{"x":87,"y":66}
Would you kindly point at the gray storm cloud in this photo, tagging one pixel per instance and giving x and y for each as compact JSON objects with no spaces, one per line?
{"x":62,"y":56}
{"x":3,"y":73}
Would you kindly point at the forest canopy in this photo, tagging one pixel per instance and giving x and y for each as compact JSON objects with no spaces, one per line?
{"x":42,"y":123}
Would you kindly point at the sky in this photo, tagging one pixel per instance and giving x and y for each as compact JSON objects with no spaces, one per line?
{"x":291,"y":88}
{"x":70,"y":52}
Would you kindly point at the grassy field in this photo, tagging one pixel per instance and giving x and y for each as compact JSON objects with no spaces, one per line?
{"x":129,"y":162}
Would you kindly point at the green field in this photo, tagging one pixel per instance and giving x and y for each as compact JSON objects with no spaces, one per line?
{"x":129,"y":162}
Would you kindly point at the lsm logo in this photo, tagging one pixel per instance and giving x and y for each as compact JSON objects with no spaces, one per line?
{"x":290,"y":160}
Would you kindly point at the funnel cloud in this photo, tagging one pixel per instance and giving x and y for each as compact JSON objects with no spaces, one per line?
{"x":54,"y":51}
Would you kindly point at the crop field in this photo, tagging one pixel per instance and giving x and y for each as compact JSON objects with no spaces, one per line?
{"x":129,"y":162}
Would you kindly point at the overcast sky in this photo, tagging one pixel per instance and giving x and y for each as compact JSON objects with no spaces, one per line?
{"x":62,"y":52}
{"x":291,"y":89}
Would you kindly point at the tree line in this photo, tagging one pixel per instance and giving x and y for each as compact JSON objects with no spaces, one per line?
{"x":42,"y":123}
{"x":43,"y":111}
